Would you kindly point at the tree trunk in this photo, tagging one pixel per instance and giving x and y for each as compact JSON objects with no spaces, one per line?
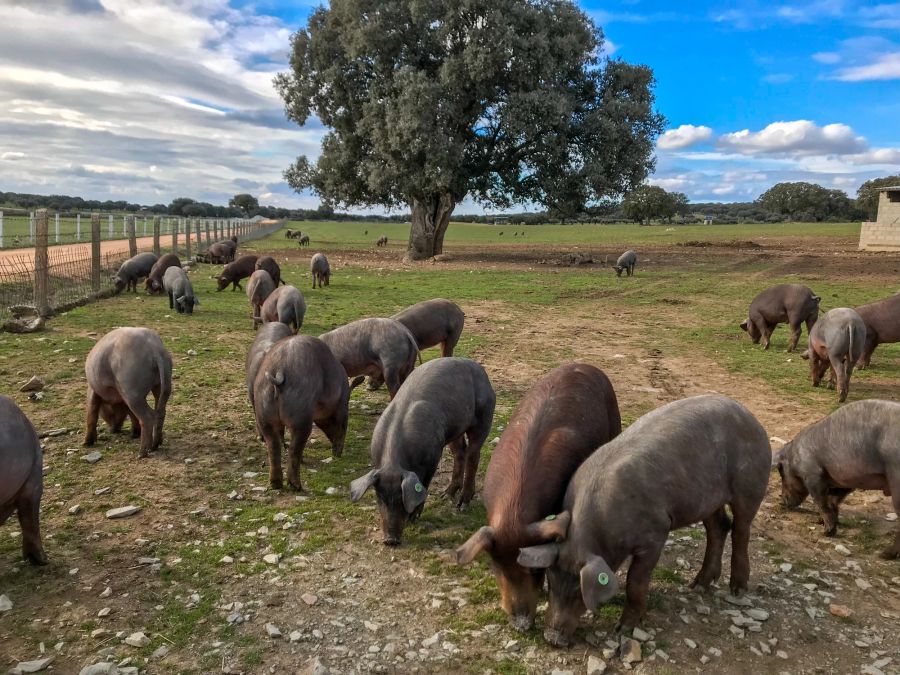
{"x":430,"y":218}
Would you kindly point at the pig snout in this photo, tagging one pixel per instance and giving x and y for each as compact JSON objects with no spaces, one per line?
{"x":393,"y":521}
{"x":519,"y":591}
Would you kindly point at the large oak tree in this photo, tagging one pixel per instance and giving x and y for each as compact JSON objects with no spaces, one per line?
{"x":430,"y":101}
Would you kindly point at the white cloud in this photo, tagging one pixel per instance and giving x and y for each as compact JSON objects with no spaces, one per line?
{"x":798,"y":138}
{"x":884,"y":67}
{"x":684,"y":136}
{"x":827,"y":57}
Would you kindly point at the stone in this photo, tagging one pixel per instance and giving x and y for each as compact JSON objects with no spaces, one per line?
{"x":272,"y":631}
{"x":640,"y":635}
{"x":757,"y":614}
{"x":703,"y":609}
{"x":661,"y":655}
{"x":34,"y":384}
{"x":226,"y":559}
{"x":147,"y":561}
{"x":295,"y":636}
{"x":280,"y":517}
{"x":160,"y":653}
{"x":309,"y":599}
{"x":92,"y":457}
{"x":106,"y":592}
{"x":271,"y":558}
{"x":714,"y":651}
{"x":704,"y":659}
{"x":123,"y":512}
{"x":840,"y":611}
{"x":74,"y":509}
{"x":431,"y":641}
{"x":32,"y":666}
{"x":690,"y":643}
{"x":737,"y":632}
{"x":840,"y":548}
{"x":786,"y":567}
{"x":5,"y":603}
{"x":892,"y":517}
{"x":101,"y":668}
{"x":137,"y":640}
{"x":630,"y":651}
{"x":313,"y":667}
{"x":106,"y":611}
{"x":557,"y":671}
{"x":781,"y":654}
{"x":595,"y":666}
{"x":738,"y":602}
{"x":101,"y":491}
{"x":863,"y":585}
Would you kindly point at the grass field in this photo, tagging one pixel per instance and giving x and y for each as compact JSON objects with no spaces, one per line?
{"x":668,"y":332}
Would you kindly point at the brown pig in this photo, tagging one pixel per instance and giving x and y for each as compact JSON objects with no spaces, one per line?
{"x":560,"y":422}
{"x":882,"y":321}
{"x":793,"y":304}
{"x":124,"y":366}
{"x":233,"y":272}
{"x":270,"y":265}
{"x":154,"y":282}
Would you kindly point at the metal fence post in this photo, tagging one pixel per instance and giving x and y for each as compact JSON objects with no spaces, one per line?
{"x":156,"y":220}
{"x":31,"y":226}
{"x":132,"y":239}
{"x":95,"y":252}
{"x":1,"y":229}
{"x":41,"y":265}
{"x":187,"y":236}
{"x":57,"y":226}
{"x":77,"y":227}
{"x":111,"y":225}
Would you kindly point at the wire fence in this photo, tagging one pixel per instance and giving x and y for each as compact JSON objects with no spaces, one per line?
{"x":52,"y":279}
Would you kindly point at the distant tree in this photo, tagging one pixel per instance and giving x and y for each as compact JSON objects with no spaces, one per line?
{"x":325,"y":211}
{"x":806,"y":201}
{"x":245,"y":202}
{"x":647,"y":202}
{"x":867,"y":194}
{"x":195,"y":210}
{"x":176,"y":208}
{"x":681,"y":205}
{"x":502,"y":101}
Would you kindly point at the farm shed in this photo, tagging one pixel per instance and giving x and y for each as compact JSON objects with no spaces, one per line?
{"x":884,"y":233}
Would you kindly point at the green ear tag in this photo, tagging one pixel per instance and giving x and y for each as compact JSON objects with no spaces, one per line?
{"x":419,"y":487}
{"x":603,"y":578}
{"x":552,"y":516}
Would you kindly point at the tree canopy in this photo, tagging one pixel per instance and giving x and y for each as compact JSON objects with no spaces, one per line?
{"x":651,"y":201}
{"x":245,"y":202}
{"x":805,"y":201}
{"x":430,"y":101}
{"x":867,"y":194}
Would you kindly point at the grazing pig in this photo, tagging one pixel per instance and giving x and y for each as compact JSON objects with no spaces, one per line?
{"x":285,"y":304}
{"x":267,"y":336}
{"x":793,"y":304}
{"x":882,"y":321}
{"x":180,"y":291}
{"x":134,"y":269}
{"x":299,"y":384}
{"x":154,"y":282}
{"x":304,"y":240}
{"x":124,"y":366}
{"x":376,"y":347}
{"x":446,"y":401}
{"x":382,"y":241}
{"x":855,"y":447}
{"x":21,"y":478}
{"x":681,"y":463}
{"x":837,"y":342}
{"x":270,"y":265}
{"x":320,"y":270}
{"x":219,"y":254}
{"x":626,"y":262}
{"x":560,"y":422}
{"x":233,"y":272}
{"x":288,"y":234}
{"x":259,"y":288}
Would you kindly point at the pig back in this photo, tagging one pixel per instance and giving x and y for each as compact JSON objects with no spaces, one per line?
{"x":137,"y":266}
{"x":431,"y":321}
{"x":20,"y":450}
{"x":883,"y":318}
{"x":260,"y":286}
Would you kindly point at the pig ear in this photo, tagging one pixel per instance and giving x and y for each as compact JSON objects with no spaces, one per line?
{"x":552,"y":528}
{"x":196,"y":301}
{"x":538,"y":557}
{"x":180,"y":300}
{"x":360,"y":485}
{"x":777,"y":457}
{"x":413,"y":491}
{"x":744,"y":324}
{"x":483,"y":540}
{"x":598,"y":582}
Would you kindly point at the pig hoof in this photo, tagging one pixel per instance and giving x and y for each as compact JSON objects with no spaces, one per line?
{"x":831,"y":531}
{"x":90,"y":440}
{"x":555,"y":637}
{"x":297,"y":487}
{"x":890,"y":553}
{"x":36,"y":558}
{"x":521,"y":622}
{"x":391,"y":541}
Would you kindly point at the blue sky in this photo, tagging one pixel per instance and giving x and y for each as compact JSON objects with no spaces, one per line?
{"x":181,"y":103}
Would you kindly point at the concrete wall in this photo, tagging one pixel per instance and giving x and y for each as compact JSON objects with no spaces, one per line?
{"x":884,"y":233}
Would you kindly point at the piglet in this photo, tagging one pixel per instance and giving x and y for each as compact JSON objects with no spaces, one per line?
{"x":446,"y":401}
{"x":837,"y":342}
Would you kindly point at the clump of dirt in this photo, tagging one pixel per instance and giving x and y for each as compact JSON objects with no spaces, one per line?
{"x":570,"y":260}
{"x":731,"y":243}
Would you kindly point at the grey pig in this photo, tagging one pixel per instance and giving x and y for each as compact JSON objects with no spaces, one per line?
{"x":132,"y":270}
{"x":181,"y":293}
{"x":836,"y":341}
{"x":299,"y":383}
{"x":383,"y":348}
{"x":679,"y":464}
{"x":124,"y":366}
{"x":882,"y":321}
{"x":626,"y":262}
{"x":320,"y":270}
{"x":855,"y":447}
{"x":267,"y":336}
{"x":259,"y":288}
{"x":793,"y":304}
{"x":21,"y":478}
{"x":446,"y":401}
{"x":285,"y":304}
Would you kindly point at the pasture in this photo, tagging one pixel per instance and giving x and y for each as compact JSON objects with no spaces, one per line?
{"x":190,"y":569}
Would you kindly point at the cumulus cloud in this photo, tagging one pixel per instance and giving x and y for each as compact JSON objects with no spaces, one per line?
{"x":683,"y":137}
{"x":12,"y":156}
{"x":827,"y":57}
{"x":884,"y":67}
{"x":800,"y":137}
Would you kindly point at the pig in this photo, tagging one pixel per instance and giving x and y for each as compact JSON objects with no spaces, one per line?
{"x":124,"y":366}
{"x":132,"y":270}
{"x":882,"y":321}
{"x":559,"y":423}
{"x":22,"y":481}
{"x":267,"y":336}
{"x":679,"y":464}
{"x":299,"y":384}
{"x":285,"y":304}
{"x":154,"y":282}
{"x":288,"y":234}
{"x":181,"y":293}
{"x":320,"y":270}
{"x":219,"y":253}
{"x":259,"y":288}
{"x":270,"y":265}
{"x":626,"y":262}
{"x":446,"y":401}
{"x":855,"y":447}
{"x":304,"y":240}
{"x":376,"y":347}
{"x":836,"y":341}
{"x":793,"y":304}
{"x":382,"y":241}
{"x":233,"y":272}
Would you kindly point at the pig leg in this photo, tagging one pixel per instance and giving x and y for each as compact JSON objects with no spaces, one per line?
{"x":893,"y":551}
{"x":868,"y":349}
{"x":827,"y":500}
{"x":171,"y":300}
{"x":93,"y":414}
{"x":476,"y":437}
{"x":6,"y":510}
{"x":135,"y":425}
{"x":161,"y":395}
{"x":637,"y":587}
{"x":740,"y":547}
{"x":796,"y":331}
{"x":274,"y":440}
{"x":392,"y":381}
{"x":147,"y":416}
{"x":840,"y":377}
{"x":717,"y":527}
{"x":28,"y":507}
{"x":299,"y":435}
{"x":458,"y":449}
{"x":335,"y":428}
{"x":846,"y":371}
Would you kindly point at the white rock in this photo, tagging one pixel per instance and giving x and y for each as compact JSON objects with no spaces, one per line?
{"x":704,"y":659}
{"x":370,"y":626}
{"x":786,"y":567}
{"x":757,"y":614}
{"x":102,"y":668}
{"x":160,"y":653}
{"x":739,"y":602}
{"x":862,"y":584}
{"x":137,"y":640}
{"x":123,"y":511}
{"x":74,"y":509}
{"x":32,"y":666}
{"x":891,"y":516}
{"x":106,"y":611}
{"x":703,"y":609}
{"x":331,"y":491}
{"x":640,"y":634}
{"x":840,"y":548}
{"x":272,"y":630}
{"x":106,"y":592}
{"x":92,"y":457}
{"x":226,"y":560}
{"x":295,"y":636}
{"x":595,"y":666}
{"x":431,"y":641}
{"x":737,"y":632}
{"x":713,"y":651}
{"x":5,"y":603}
{"x":781,"y":654}
{"x":280,"y":517}
{"x":690,"y":643}
{"x":271,"y":558}
{"x":250,"y":474}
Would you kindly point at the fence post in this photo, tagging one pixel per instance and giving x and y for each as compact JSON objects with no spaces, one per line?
{"x":187,"y":236}
{"x":175,"y":236}
{"x":132,"y":239}
{"x":77,"y":227}
{"x":207,"y":232}
{"x":156,"y":220}
{"x":111,"y":226}
{"x":1,"y":229}
{"x":31,"y":226}
{"x":56,"y":223}
{"x":95,"y":253}
{"x":145,"y":226}
{"x":41,"y":265}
